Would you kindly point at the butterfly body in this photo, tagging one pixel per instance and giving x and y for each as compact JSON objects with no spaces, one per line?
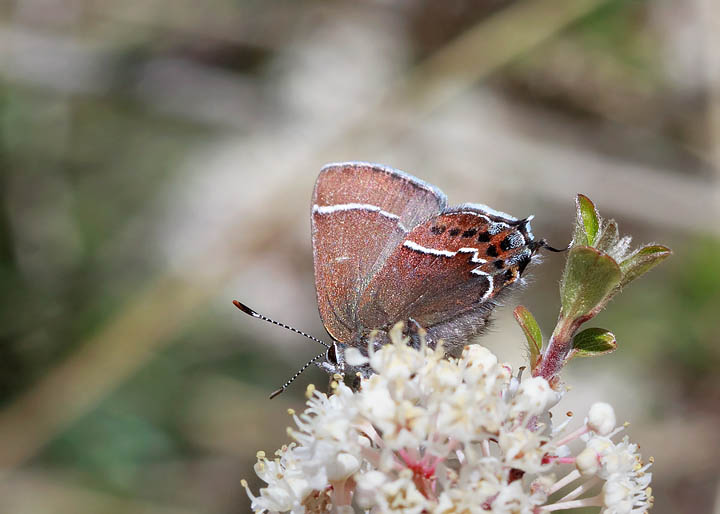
{"x":387,"y":249}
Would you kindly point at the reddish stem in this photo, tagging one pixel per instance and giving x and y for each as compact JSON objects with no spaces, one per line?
{"x":560,"y":345}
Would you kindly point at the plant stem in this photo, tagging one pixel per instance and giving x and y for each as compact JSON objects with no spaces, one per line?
{"x":553,"y":359}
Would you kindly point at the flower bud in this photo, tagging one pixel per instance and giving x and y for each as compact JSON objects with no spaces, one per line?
{"x":587,"y":462}
{"x":601,"y":418}
{"x":343,"y":466}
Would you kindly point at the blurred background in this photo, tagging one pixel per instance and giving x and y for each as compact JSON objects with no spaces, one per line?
{"x":157,"y":160}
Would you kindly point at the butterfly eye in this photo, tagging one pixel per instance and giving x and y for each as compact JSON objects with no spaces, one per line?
{"x":331,"y":354}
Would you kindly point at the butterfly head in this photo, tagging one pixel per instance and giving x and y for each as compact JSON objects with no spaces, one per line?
{"x":335,"y":364}
{"x":368,"y":341}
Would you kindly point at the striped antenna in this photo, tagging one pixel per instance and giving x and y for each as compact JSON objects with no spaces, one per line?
{"x":292,"y":379}
{"x":249,"y":311}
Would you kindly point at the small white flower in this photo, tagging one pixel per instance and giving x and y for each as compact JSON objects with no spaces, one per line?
{"x":587,"y":462}
{"x":524,"y":449}
{"x":513,"y":498}
{"x":368,"y":485}
{"x":626,"y":494}
{"x":617,"y":498}
{"x":287,"y":484}
{"x":620,"y":458}
{"x":534,"y":396}
{"x":400,"y":495}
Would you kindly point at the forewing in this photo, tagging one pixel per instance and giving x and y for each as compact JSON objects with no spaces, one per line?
{"x":361,"y":212}
{"x":446,"y":272}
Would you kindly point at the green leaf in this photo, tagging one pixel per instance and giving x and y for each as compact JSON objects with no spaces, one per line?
{"x":589,"y":277}
{"x":641,"y":261}
{"x":587,"y":223}
{"x":609,"y":236}
{"x":592,"y":342}
{"x":532,"y":333}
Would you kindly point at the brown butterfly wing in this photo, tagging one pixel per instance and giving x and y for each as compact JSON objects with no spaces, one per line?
{"x":361,"y":212}
{"x":447,"y":272}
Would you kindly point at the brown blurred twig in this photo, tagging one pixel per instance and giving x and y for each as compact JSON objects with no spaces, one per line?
{"x":464,"y":61}
{"x":711,"y":33}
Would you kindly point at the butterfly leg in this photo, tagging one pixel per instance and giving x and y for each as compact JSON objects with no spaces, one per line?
{"x":416,"y":333}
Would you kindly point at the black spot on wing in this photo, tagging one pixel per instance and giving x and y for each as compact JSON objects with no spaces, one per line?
{"x":506,"y":244}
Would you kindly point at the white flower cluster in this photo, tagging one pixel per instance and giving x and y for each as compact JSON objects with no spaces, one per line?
{"x":431,"y":434}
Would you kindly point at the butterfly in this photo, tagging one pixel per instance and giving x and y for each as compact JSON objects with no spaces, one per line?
{"x":388,"y":249}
